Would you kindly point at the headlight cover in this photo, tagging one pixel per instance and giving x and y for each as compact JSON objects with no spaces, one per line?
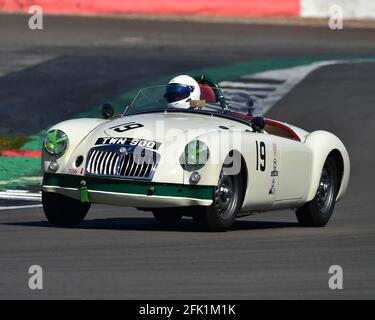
{"x":56,"y":142}
{"x":195,"y":155}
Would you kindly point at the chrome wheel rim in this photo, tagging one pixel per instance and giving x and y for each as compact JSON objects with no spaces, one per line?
{"x":226,"y":196}
{"x":325,"y":191}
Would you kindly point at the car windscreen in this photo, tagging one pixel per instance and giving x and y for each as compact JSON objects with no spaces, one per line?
{"x":156,"y":99}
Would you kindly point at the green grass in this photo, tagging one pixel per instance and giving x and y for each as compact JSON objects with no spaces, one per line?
{"x":12,"y":143}
{"x":18,"y":172}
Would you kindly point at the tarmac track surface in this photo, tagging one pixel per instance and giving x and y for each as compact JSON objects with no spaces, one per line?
{"x":123,"y":253}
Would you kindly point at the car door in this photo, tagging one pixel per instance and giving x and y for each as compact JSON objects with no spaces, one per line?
{"x":292,"y":167}
{"x":262,"y":182}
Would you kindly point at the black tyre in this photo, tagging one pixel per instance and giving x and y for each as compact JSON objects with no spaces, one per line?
{"x":227,"y":201}
{"x":63,"y":211}
{"x":167,"y":216}
{"x":317,"y":212}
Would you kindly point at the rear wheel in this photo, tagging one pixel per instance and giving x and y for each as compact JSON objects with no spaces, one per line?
{"x":167,"y":216}
{"x":63,"y":211}
{"x":226,"y":203}
{"x":317,"y":212}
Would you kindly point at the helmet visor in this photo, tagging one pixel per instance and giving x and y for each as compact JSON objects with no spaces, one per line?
{"x":177,"y":92}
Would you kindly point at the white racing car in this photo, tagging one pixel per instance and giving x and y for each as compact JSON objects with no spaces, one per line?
{"x":183,"y":149}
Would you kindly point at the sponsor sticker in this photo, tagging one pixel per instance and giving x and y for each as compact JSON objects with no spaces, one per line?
{"x":274,"y":172}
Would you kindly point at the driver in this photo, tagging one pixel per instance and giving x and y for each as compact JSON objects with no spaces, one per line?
{"x":181,"y":90}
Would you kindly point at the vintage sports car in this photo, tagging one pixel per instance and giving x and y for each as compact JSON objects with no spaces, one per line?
{"x":213,"y":161}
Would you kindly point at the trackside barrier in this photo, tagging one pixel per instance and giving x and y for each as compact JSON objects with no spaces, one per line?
{"x":352,"y":9}
{"x":172,"y":7}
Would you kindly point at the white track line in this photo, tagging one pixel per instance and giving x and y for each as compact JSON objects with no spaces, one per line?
{"x":288,"y":78}
{"x":20,"y":196}
{"x":21,"y":207}
{"x":247,"y":85}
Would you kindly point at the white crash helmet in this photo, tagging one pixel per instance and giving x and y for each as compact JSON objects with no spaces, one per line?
{"x":181,"y":90}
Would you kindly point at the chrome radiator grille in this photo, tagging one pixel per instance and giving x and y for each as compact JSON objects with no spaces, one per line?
{"x":122,"y":162}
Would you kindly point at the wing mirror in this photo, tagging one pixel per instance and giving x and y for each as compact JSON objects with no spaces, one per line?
{"x":107,"y":110}
{"x":257,"y":124}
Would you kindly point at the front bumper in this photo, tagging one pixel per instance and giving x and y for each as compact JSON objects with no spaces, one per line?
{"x":129,"y":193}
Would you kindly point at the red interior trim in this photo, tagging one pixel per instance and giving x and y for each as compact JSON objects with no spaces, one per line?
{"x":284,"y":127}
{"x":272,"y":123}
{"x":207,"y":93}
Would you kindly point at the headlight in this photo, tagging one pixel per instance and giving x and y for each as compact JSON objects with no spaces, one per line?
{"x":56,"y":142}
{"x":195,"y":156}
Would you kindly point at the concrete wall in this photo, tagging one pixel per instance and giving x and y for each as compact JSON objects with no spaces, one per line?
{"x":352,"y":9}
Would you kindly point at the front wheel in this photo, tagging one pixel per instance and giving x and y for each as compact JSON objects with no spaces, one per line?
{"x":227,"y":197}
{"x":317,"y":212}
{"x":63,"y":211}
